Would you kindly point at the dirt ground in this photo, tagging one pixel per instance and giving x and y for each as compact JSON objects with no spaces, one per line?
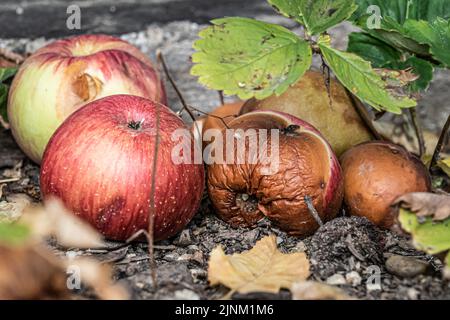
{"x":346,"y":252}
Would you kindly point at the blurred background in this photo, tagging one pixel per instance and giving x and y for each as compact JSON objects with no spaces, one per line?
{"x":171,"y":26}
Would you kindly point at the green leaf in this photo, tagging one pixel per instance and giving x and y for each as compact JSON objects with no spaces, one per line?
{"x":6,"y":73}
{"x":357,"y":75}
{"x":316,"y":15}
{"x":289,"y":8}
{"x":429,"y":236}
{"x":435,"y":34}
{"x":379,"y":53}
{"x":13,"y":233}
{"x":401,"y":10}
{"x":249,"y":58}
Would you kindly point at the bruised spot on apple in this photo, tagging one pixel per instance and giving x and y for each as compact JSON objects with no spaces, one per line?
{"x":375,"y":174}
{"x":245,"y":192}
{"x":100,"y":160}
{"x":66,"y":74}
{"x":308,"y":100}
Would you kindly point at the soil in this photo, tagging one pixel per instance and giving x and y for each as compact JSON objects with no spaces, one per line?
{"x":348,"y":252}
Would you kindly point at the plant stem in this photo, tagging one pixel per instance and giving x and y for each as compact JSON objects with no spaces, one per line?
{"x":174,"y":85}
{"x":313,"y":210}
{"x":418,"y":131}
{"x":151,"y":225}
{"x":221,"y":98}
{"x":360,"y":109}
{"x":440,"y":143}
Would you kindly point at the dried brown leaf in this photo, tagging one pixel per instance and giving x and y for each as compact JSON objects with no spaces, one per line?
{"x":99,"y":277}
{"x":53,"y":219}
{"x":31,"y":273}
{"x":425,"y":204}
{"x":263,"y":268}
{"x":312,"y":290}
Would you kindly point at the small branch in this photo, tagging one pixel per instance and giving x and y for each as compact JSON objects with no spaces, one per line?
{"x":9,"y":180}
{"x":362,"y":112}
{"x":11,"y":56}
{"x":418,"y":131}
{"x":174,"y":85}
{"x":440,"y":144}
{"x":213,"y":116}
{"x":221,"y":98}
{"x":313,"y":210}
{"x":151,"y":226}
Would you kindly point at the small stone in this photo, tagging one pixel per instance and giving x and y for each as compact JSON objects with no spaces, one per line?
{"x":353,"y":278}
{"x":300,"y":247}
{"x":405,"y":267}
{"x":336,"y":279}
{"x":413,"y":294}
{"x":184,"y":239}
{"x":197,"y":257}
{"x":279,"y":240}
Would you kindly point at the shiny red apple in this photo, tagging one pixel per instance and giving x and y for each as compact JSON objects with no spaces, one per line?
{"x":100,"y":162}
{"x":69,"y":73}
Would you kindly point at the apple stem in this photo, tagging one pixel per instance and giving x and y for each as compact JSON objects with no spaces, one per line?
{"x":313,"y":210}
{"x":418,"y":131}
{"x":152,"y":203}
{"x":440,"y":143}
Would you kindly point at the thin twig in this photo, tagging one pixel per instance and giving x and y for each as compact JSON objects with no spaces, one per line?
{"x":151,"y":226}
{"x":214,"y":116}
{"x":174,"y":85}
{"x":9,"y":180}
{"x":221,"y":98}
{"x":364,"y":116}
{"x":313,"y":210}
{"x":11,"y":56}
{"x":418,"y":131}
{"x":440,"y":143}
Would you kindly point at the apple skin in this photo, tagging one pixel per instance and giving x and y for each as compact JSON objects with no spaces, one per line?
{"x":307,"y":167}
{"x":102,"y":169}
{"x":308,"y":100}
{"x":65,"y":75}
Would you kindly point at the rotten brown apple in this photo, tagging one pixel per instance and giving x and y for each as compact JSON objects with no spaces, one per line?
{"x":294,"y":168}
{"x":375,"y":174}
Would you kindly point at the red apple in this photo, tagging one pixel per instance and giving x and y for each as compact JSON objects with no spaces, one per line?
{"x":99,"y":163}
{"x":65,"y":75}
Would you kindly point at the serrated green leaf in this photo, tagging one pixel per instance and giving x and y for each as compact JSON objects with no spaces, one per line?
{"x":429,"y":236}
{"x":357,"y":75}
{"x":6,"y":73}
{"x":249,"y":58}
{"x":436,"y":34}
{"x":288,"y":8}
{"x":13,"y":233}
{"x":379,"y":53}
{"x":316,"y":15}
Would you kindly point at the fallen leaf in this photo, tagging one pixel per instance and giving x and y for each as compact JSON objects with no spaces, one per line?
{"x":53,"y":219}
{"x":425,"y":204}
{"x":263,"y":268}
{"x":312,"y":290}
{"x":99,"y":277}
{"x":444,"y":164}
{"x":430,"y":236}
{"x":14,"y":206}
{"x":28,"y":272}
